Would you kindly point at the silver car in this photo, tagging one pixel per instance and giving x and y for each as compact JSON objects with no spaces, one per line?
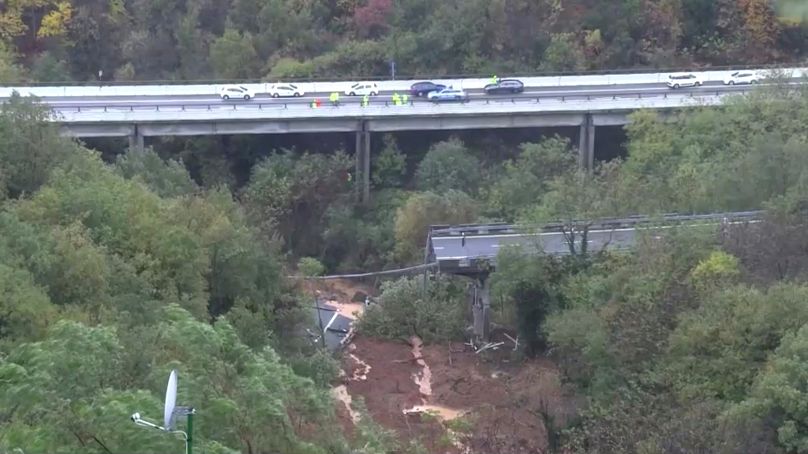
{"x":448,"y":94}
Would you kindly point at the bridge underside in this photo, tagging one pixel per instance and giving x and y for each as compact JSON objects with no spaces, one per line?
{"x":269,"y":126}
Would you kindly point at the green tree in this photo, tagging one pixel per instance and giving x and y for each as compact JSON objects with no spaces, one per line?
{"x":291,"y":193}
{"x":422,"y":210}
{"x":407,"y":308}
{"x":48,"y":68}
{"x":717,"y":350}
{"x":166,"y":178}
{"x":563,"y":54}
{"x":526,"y":179}
{"x":126,"y":219}
{"x":10,"y":71}
{"x":390,"y":166}
{"x":25,"y":310}
{"x":233,"y":57}
{"x":310,"y":266}
{"x":779,"y":392}
{"x":448,"y":165}
{"x":527,"y":282}
{"x":30,"y":146}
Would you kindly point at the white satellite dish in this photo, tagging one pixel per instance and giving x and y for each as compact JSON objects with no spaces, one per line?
{"x":171,"y":401}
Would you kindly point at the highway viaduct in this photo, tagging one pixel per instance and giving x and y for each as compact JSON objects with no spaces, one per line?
{"x":585,"y":102}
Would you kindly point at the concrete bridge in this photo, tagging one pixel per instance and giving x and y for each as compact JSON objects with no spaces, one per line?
{"x":471,"y":250}
{"x":586,"y":102}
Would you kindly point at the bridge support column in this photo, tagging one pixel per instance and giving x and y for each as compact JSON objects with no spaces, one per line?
{"x":362,"y":171}
{"x":136,"y":141}
{"x":586,"y":144}
{"x":481,"y":308}
{"x":366,"y":173}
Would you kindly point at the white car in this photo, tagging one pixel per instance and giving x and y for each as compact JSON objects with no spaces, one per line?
{"x":742,"y":77}
{"x":684,"y":80}
{"x":236,"y":92}
{"x":285,"y":91}
{"x":362,"y":89}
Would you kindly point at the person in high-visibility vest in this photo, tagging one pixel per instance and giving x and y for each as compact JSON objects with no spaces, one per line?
{"x":405,"y":98}
{"x":334,"y":98}
{"x":494,"y":79}
{"x":365,"y":100}
{"x":396,"y":99}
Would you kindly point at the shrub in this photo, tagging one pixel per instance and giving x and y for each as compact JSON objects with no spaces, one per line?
{"x":406,"y":310}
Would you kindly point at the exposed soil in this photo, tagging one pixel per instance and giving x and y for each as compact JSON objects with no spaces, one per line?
{"x":448,"y":397}
{"x":501,"y":401}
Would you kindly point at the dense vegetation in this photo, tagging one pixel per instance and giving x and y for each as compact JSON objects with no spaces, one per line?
{"x":55,"y":40}
{"x":114,"y":271}
{"x":111,"y":275}
{"x":694,"y":341}
{"x":691,"y":342}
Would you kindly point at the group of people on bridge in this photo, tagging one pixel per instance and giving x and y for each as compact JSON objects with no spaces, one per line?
{"x":397,"y":100}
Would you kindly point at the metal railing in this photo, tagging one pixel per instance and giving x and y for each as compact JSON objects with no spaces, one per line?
{"x":442,"y":231}
{"x":306,"y":104}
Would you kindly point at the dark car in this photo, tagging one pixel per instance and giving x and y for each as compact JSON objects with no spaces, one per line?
{"x":505,"y":86}
{"x":425,"y":88}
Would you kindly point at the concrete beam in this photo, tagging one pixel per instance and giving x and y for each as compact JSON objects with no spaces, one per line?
{"x":247,"y":127}
{"x":473,"y":122}
{"x":97,"y":130}
{"x":610,"y":119}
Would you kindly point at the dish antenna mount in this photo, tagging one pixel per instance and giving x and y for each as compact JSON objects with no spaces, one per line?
{"x":170,"y":413}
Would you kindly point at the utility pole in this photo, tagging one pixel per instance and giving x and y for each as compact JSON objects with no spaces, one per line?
{"x":189,"y":416}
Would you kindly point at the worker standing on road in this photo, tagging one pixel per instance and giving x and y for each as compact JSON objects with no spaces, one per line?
{"x":405,"y":99}
{"x":334,"y":98}
{"x":365,"y":100}
{"x":396,"y":99}
{"x":494,"y":79}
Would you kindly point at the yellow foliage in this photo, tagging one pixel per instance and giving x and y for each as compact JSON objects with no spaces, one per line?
{"x":12,"y":21}
{"x":11,"y":25}
{"x":55,"y":22}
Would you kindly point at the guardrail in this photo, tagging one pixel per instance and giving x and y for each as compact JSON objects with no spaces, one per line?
{"x":275,"y":104}
{"x":340,"y":86}
{"x":442,"y":231}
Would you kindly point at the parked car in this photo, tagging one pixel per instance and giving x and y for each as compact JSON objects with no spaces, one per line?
{"x":505,"y":86}
{"x":285,"y":91}
{"x":684,"y":80}
{"x":236,"y":92}
{"x":742,"y":77}
{"x":362,"y":89}
{"x":448,"y":94}
{"x":425,"y":88}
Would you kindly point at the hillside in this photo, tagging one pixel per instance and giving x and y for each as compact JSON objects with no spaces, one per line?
{"x":81,"y":40}
{"x":200,"y":254}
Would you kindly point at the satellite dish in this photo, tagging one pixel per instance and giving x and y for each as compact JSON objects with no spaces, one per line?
{"x":171,"y":400}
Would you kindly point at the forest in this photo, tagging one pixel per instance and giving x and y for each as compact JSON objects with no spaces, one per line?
{"x":126,"y":40}
{"x":117,"y":266}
